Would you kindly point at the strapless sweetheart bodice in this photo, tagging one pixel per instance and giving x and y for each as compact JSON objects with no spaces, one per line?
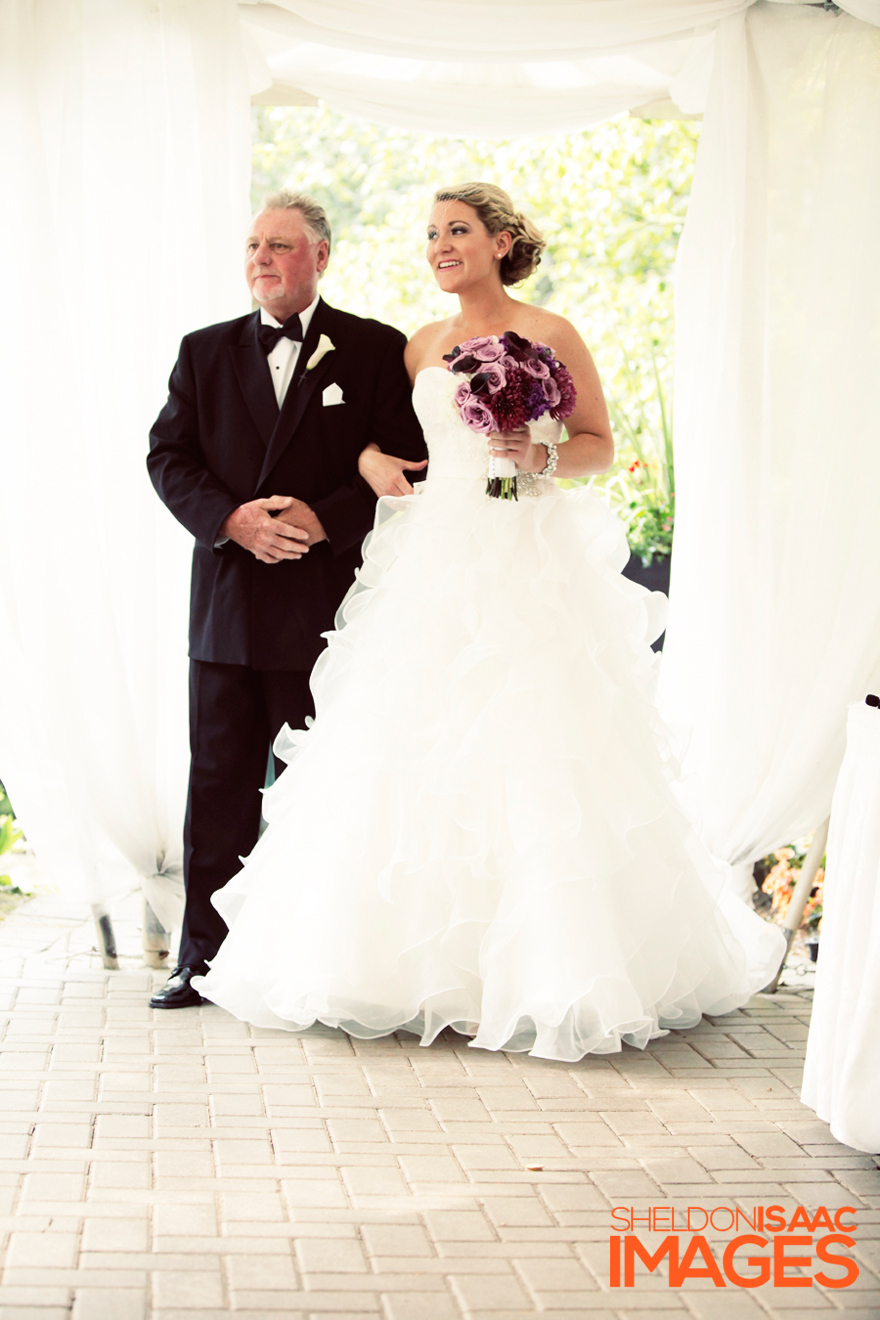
{"x":454,"y":450}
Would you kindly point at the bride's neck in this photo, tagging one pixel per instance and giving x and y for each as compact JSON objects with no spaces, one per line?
{"x":483,"y":310}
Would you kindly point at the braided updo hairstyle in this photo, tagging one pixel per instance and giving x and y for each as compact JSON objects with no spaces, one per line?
{"x":495,"y":210}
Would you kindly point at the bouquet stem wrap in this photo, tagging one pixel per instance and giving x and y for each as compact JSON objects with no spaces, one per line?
{"x":502,"y":478}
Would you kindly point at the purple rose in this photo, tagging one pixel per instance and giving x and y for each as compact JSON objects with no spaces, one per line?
{"x":490,"y":379}
{"x":485,"y":348}
{"x":462,"y":394}
{"x":509,"y":363}
{"x":477,"y":417}
{"x":489,"y":352}
{"x":551,"y":391}
{"x":535,"y":367}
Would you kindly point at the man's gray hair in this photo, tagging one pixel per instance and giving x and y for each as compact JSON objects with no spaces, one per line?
{"x":313,"y":214}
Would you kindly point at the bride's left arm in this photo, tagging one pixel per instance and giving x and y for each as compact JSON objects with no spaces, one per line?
{"x":590,"y":444}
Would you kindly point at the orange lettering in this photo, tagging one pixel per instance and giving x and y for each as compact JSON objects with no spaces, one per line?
{"x":851,"y":1269}
{"x":760,"y":1263}
{"x":800,"y":1219}
{"x":774,"y":1219}
{"x":620,"y":1211}
{"x":822,"y":1220}
{"x":844,"y":1228}
{"x":678,"y":1273}
{"x":722,"y":1210}
{"x":614,"y":1252}
{"x":632,"y":1247}
{"x":781,"y":1262}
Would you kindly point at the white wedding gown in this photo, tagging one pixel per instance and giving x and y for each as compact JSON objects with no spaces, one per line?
{"x":478,"y":830}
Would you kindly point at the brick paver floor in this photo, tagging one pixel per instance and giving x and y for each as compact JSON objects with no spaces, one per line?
{"x":183,"y":1166}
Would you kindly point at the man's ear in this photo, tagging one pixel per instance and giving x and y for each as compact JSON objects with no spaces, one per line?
{"x":323,"y":255}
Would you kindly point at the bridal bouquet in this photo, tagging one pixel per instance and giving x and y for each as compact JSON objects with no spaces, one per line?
{"x":507,"y":383}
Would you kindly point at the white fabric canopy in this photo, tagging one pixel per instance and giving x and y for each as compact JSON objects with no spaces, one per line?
{"x":490,"y":68}
{"x":124,"y":167}
{"x":124,"y":161}
{"x":775,"y":618}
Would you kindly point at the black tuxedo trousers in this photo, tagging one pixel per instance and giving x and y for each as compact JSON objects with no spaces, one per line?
{"x":255,"y":629}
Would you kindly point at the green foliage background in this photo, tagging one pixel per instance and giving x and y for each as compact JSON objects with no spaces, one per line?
{"x":611,"y":203}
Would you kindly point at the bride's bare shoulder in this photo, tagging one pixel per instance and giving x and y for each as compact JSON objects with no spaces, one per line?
{"x":549,"y":328}
{"x":427,"y":344}
{"x":546,"y":326}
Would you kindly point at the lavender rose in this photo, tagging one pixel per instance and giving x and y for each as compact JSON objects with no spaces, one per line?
{"x":487,"y":351}
{"x":535,"y":367}
{"x":551,"y":391}
{"x":462,"y":394}
{"x":490,"y":379}
{"x":477,"y":417}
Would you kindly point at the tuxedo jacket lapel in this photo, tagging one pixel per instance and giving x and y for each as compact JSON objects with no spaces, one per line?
{"x":299,"y":392}
{"x":255,"y":379}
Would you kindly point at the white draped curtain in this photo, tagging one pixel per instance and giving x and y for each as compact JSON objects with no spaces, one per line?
{"x":124,"y":168}
{"x":485,"y":68}
{"x":491,"y":68}
{"x":124,"y":162}
{"x":775,"y":617}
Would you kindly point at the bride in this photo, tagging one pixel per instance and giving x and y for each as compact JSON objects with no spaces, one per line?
{"x":479,"y":829}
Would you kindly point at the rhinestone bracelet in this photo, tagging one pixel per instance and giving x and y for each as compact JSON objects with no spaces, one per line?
{"x":552,"y":459}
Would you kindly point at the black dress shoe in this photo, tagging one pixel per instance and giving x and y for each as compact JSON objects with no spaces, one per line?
{"x":177,"y":991}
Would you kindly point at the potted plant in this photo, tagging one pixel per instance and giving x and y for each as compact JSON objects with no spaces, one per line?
{"x":641,"y":485}
{"x":642,"y":488}
{"x":814,"y":923}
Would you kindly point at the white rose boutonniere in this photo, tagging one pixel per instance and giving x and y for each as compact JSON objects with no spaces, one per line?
{"x":325,"y":346}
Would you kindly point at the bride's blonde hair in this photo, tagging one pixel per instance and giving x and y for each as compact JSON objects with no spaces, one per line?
{"x":495,"y":210}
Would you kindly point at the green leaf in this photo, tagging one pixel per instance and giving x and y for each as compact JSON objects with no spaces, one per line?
{"x":9,"y":833}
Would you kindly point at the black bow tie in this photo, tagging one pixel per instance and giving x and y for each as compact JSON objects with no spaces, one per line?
{"x":269,"y":335}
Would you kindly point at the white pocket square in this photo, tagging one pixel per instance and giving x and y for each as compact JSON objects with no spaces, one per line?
{"x":332,"y":395}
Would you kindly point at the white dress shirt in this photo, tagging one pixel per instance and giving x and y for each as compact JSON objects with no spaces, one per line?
{"x":283,"y":358}
{"x":282,"y":363}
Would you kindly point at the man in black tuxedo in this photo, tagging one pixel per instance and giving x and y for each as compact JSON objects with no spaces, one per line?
{"x":284,"y":399}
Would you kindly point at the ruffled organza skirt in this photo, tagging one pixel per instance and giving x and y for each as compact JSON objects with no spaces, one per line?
{"x":478,"y":831}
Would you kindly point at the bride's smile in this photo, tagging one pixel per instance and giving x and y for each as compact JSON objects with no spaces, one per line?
{"x":461,"y":252}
